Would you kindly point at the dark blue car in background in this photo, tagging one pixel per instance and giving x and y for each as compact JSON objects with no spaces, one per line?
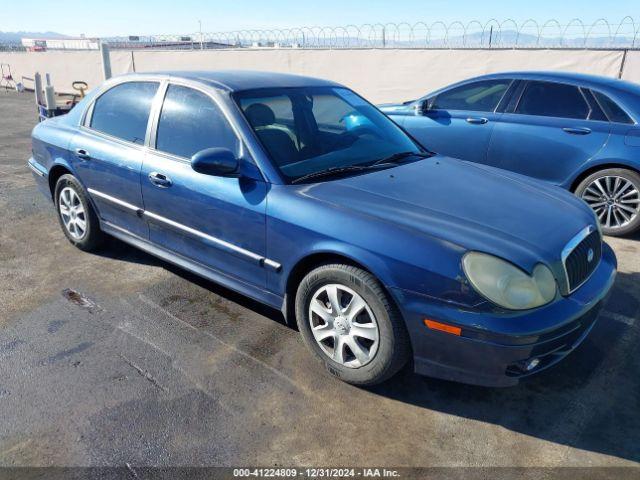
{"x":300,"y":194}
{"x":576,"y":131}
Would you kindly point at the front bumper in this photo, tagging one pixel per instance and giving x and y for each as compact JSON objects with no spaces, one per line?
{"x":494,"y":348}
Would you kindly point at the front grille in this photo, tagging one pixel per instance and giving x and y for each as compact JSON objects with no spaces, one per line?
{"x":582,"y":260}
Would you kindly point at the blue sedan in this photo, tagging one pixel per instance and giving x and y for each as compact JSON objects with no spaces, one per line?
{"x":577,"y":131}
{"x":299,"y":193}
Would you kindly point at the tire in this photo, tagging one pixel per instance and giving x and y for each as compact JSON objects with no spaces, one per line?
{"x":83,"y":230}
{"x":387,"y":349}
{"x":616,"y":193}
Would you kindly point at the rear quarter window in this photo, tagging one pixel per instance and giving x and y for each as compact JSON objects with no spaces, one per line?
{"x":612,"y":109}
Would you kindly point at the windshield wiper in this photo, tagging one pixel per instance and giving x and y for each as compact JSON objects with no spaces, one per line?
{"x":333,"y":171}
{"x":399,"y":157}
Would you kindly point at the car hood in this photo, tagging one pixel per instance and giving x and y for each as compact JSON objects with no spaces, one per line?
{"x":473,"y":206}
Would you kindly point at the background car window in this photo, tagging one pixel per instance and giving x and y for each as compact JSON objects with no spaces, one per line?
{"x":612,"y":109}
{"x":476,"y":97}
{"x":553,"y":100}
{"x":190,"y":122}
{"x":596,"y":112}
{"x":123,"y":111}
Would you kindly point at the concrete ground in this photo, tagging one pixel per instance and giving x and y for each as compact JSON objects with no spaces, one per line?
{"x":151,"y":365}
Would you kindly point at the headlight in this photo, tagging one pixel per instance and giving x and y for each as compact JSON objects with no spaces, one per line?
{"x":506,"y":285}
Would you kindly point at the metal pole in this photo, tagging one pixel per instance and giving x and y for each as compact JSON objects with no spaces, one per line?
{"x":490,"y":35}
{"x":37,"y":82}
{"x":384,"y":37}
{"x":201,"y":44}
{"x":106,"y":60}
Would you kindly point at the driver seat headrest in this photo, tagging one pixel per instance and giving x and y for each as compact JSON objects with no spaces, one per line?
{"x":260,"y":115}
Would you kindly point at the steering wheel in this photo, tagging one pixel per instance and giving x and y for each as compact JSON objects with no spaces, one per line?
{"x":80,"y":86}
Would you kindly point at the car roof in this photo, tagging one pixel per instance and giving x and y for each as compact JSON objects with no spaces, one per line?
{"x":238,"y":80}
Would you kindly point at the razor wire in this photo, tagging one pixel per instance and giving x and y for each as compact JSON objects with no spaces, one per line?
{"x":493,"y":33}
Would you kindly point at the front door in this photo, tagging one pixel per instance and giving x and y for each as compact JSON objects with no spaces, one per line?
{"x":218,"y":222}
{"x":458,"y":122}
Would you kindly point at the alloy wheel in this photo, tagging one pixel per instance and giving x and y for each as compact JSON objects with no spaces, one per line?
{"x":72,"y":213}
{"x":615,"y":200}
{"x":343,"y":325}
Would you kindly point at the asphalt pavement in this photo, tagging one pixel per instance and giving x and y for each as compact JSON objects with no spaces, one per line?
{"x":118,"y":358}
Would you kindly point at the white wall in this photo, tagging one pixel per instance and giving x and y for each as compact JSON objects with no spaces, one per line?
{"x":381,"y":75}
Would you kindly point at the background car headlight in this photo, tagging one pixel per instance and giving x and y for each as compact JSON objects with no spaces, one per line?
{"x":506,"y":285}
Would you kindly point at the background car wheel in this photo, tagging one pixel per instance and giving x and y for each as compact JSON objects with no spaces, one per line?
{"x":77,"y":217}
{"x":614,"y":194}
{"x":348,"y":321}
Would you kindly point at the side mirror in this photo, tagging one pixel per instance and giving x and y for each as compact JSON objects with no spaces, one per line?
{"x":220,"y":162}
{"x":421,"y":108}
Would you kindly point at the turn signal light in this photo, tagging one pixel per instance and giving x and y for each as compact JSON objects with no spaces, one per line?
{"x":443,"y":327}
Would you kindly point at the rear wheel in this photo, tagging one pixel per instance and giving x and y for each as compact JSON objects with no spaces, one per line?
{"x":77,"y":218}
{"x":614,"y":194}
{"x":348,"y":321}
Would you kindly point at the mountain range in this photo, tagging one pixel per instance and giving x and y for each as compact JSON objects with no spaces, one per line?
{"x":16,"y":37}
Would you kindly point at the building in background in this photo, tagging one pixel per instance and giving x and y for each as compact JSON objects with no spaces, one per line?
{"x":44,"y":44}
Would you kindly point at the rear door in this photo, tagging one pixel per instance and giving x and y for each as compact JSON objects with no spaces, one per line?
{"x":109,"y":150}
{"x":549,"y":132}
{"x":218,"y":222}
{"x":458,"y":122}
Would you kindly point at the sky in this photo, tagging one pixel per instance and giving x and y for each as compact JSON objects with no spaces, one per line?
{"x":147,"y":17}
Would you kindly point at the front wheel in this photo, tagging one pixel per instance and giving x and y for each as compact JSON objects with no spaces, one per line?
{"x":614,"y":194}
{"x":348,"y":321}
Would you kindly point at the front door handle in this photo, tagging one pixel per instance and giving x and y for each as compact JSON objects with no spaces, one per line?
{"x":82,"y":154}
{"x":160,"y":180}
{"x":477,"y":120}
{"x":577,"y":130}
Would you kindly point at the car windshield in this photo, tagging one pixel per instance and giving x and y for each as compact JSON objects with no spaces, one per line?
{"x":309,"y":130}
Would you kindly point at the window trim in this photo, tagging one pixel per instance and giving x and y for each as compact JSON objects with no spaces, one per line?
{"x":156,"y":111}
{"x":592,"y":90}
{"x":578,"y":87}
{"x":430,"y":101}
{"x":85,"y":121}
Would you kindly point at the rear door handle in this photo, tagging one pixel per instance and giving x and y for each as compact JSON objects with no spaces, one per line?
{"x":477,"y":120}
{"x":160,"y":180}
{"x":577,"y":130}
{"x":82,"y":154}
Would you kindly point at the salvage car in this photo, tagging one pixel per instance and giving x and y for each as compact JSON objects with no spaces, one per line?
{"x":576,"y":131}
{"x":299,"y":193}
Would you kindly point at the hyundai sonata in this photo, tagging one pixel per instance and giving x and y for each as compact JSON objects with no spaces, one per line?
{"x":299,"y":193}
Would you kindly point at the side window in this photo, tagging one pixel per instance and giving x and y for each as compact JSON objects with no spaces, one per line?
{"x":476,"y":97}
{"x":190,"y":121}
{"x":611,"y":108}
{"x":123,"y":111}
{"x":553,"y":100}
